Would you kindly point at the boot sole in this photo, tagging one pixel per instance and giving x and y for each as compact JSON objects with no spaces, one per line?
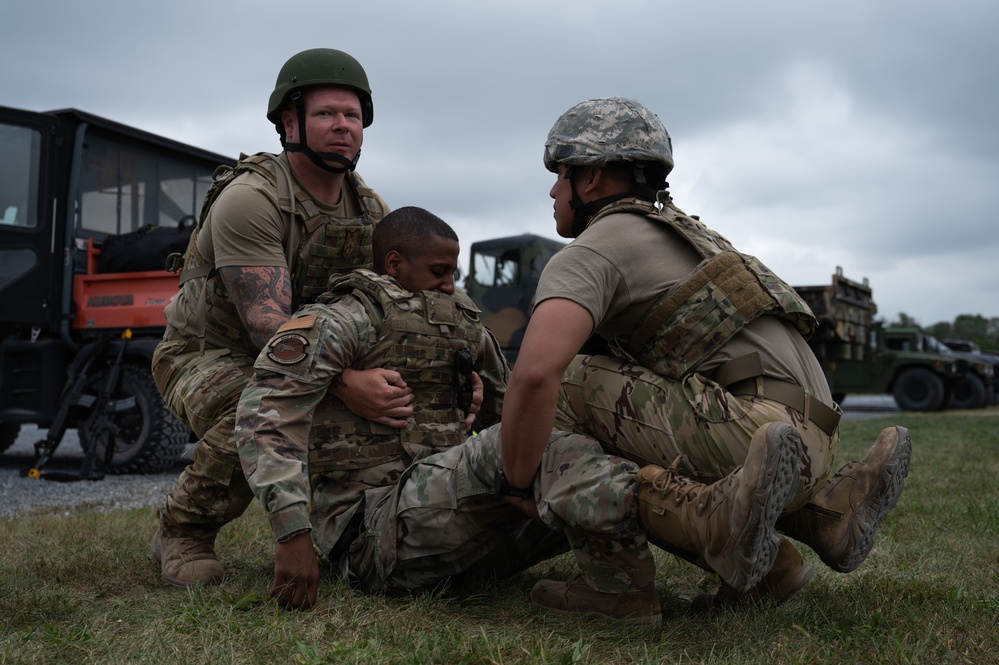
{"x":878,"y":503}
{"x":757,"y":544}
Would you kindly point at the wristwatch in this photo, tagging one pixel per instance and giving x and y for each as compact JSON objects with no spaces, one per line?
{"x":503,"y":488}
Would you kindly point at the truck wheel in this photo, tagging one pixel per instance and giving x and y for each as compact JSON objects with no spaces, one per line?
{"x":971,"y":394}
{"x":8,"y":435}
{"x":150,"y":439}
{"x":919,"y":389}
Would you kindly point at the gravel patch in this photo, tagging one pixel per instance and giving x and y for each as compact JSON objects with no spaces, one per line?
{"x":18,"y":495}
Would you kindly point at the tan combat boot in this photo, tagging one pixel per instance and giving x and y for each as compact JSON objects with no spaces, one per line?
{"x":184,"y":561}
{"x":840,"y":522}
{"x":640,"y":607}
{"x":788,"y":575}
{"x":728,"y":524}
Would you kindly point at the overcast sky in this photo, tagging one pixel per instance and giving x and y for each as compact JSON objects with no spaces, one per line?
{"x":855,"y":133}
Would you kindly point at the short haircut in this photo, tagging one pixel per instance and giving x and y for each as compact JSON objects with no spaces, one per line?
{"x":407,"y":231}
{"x":626,"y":174}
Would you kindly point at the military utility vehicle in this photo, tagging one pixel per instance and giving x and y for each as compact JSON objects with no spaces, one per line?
{"x":978,"y":388}
{"x":81,"y":307}
{"x":502,"y":278}
{"x":853,"y":350}
{"x":969,"y":347}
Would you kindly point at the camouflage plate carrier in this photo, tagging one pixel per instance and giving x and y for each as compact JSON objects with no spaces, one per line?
{"x":316,"y":245}
{"x":697,"y":316}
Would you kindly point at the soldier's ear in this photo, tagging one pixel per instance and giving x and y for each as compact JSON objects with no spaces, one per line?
{"x":393,"y":263}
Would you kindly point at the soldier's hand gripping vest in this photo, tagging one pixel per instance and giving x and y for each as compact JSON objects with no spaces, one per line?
{"x":424,"y":336}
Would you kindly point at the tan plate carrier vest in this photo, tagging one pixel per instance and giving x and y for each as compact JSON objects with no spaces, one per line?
{"x":316,"y":245}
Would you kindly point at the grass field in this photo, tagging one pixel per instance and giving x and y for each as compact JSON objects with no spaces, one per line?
{"x":81,"y":588}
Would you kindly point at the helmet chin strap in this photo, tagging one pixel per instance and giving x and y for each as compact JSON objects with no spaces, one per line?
{"x":320,"y":159}
{"x":582,"y":211}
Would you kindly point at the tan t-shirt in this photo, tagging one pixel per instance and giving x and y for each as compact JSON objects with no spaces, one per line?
{"x":621,"y":265}
{"x":245,"y":227}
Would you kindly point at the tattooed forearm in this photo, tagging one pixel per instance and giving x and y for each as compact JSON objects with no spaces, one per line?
{"x":262,"y":296}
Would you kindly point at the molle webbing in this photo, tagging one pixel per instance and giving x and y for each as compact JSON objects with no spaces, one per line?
{"x":315,"y":245}
{"x":420,"y":335}
{"x":721,"y":295}
{"x":699,"y":315}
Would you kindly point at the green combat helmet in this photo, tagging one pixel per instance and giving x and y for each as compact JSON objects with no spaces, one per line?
{"x":319,"y":66}
{"x":606,"y":130}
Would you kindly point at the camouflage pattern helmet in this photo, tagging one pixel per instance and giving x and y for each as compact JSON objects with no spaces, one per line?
{"x":320,"y":66}
{"x":608,"y":129}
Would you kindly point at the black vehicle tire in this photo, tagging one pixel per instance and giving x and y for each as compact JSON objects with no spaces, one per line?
{"x":150,"y":439}
{"x":971,"y":394}
{"x":8,"y":435}
{"x":919,"y":389}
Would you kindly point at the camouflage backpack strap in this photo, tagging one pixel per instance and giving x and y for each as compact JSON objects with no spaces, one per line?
{"x":266,"y":165}
{"x":290,"y":198}
{"x":221,"y":177}
{"x":369,"y":285}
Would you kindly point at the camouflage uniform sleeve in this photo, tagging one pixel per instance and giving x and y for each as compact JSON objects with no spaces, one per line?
{"x":274,"y":416}
{"x":495,"y":372}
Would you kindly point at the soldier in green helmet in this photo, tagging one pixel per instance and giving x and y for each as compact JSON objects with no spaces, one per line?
{"x":707,"y":379}
{"x":272,"y":231}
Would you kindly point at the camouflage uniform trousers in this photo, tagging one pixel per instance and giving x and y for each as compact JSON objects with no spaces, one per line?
{"x":444,"y":521}
{"x":644,"y":417}
{"x":203,"y":391}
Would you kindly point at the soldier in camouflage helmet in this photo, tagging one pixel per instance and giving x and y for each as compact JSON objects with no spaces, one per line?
{"x":272,"y":231}
{"x":706,"y":368}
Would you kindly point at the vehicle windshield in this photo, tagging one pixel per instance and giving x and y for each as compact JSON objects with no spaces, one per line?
{"x":19,"y":164}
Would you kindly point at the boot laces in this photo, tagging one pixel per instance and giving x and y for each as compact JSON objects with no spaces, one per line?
{"x":672,"y":482}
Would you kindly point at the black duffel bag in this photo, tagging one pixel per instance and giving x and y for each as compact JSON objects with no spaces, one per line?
{"x":145,"y":249}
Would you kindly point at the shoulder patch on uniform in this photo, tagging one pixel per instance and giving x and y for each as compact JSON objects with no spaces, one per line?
{"x":298,"y":324}
{"x":288,"y":349}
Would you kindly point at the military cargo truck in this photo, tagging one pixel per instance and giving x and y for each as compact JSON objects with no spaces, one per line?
{"x":77,"y":329}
